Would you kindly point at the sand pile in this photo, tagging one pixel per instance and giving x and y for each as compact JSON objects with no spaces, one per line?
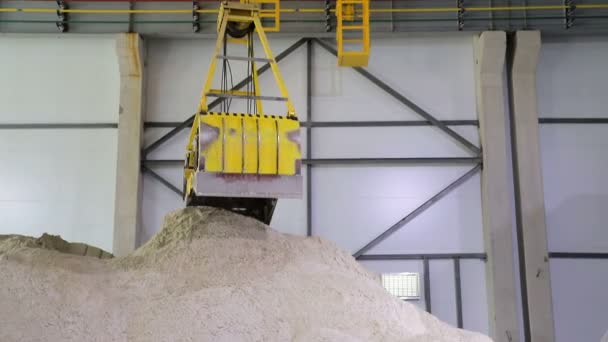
{"x":11,"y":243}
{"x":208,"y":275}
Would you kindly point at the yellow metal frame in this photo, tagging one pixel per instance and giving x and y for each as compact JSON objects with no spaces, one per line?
{"x":253,"y":17}
{"x":244,"y":143}
{"x":274,"y":12}
{"x":347,"y":13}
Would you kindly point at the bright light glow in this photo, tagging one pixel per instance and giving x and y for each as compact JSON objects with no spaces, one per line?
{"x":405,"y":286}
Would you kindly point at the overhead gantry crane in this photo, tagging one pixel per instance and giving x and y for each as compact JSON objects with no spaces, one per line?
{"x":245,"y":161}
{"x":242,"y":161}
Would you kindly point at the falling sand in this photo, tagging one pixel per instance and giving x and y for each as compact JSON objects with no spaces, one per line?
{"x":208,"y":275}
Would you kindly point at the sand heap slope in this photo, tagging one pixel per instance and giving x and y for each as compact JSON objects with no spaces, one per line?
{"x":208,"y":275}
{"x":51,"y":242}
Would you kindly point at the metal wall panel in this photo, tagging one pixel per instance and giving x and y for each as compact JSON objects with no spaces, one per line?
{"x":388,"y":142}
{"x":576,"y":191}
{"x":572,"y":77}
{"x":58,"y":171}
{"x":60,"y":182}
{"x":579,"y":299}
{"x":572,"y":83}
{"x":58,"y":79}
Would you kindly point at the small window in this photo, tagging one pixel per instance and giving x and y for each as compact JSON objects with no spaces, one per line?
{"x":405,"y":286}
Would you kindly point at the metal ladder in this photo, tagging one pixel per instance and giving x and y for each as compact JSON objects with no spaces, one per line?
{"x":353,"y":22}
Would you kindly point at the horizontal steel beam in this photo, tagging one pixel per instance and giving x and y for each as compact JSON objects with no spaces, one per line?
{"x":577,"y":255}
{"x":573,"y":120}
{"x":243,"y":58}
{"x":318,"y":124}
{"x":400,"y":161}
{"x":162,"y":162}
{"x":432,"y":256}
{"x":345,"y":124}
{"x":426,"y":269}
{"x":248,"y":97}
{"x":162,"y":124}
{"x":401,"y":123}
{"x":348,"y":161}
{"x":97,"y":125}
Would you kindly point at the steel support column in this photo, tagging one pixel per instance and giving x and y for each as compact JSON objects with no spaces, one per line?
{"x":426,"y":269}
{"x":458,"y":292}
{"x":401,"y":123}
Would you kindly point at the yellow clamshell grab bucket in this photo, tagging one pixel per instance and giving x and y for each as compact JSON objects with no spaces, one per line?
{"x":237,"y":159}
{"x":246,"y":155}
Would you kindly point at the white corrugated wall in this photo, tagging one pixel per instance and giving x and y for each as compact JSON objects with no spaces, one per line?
{"x":573,"y":83}
{"x":59,"y":181}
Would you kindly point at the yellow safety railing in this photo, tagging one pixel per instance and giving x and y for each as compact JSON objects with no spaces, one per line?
{"x":274,"y":13}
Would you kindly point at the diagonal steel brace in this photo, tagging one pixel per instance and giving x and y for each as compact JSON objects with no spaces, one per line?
{"x":363,"y":72}
{"x":409,"y":217}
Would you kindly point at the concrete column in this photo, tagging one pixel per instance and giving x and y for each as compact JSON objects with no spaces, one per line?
{"x":530,"y":201}
{"x":490,"y":50}
{"x":130,"y":134}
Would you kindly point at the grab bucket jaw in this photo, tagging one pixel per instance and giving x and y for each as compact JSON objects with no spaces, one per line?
{"x":246,"y":155}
